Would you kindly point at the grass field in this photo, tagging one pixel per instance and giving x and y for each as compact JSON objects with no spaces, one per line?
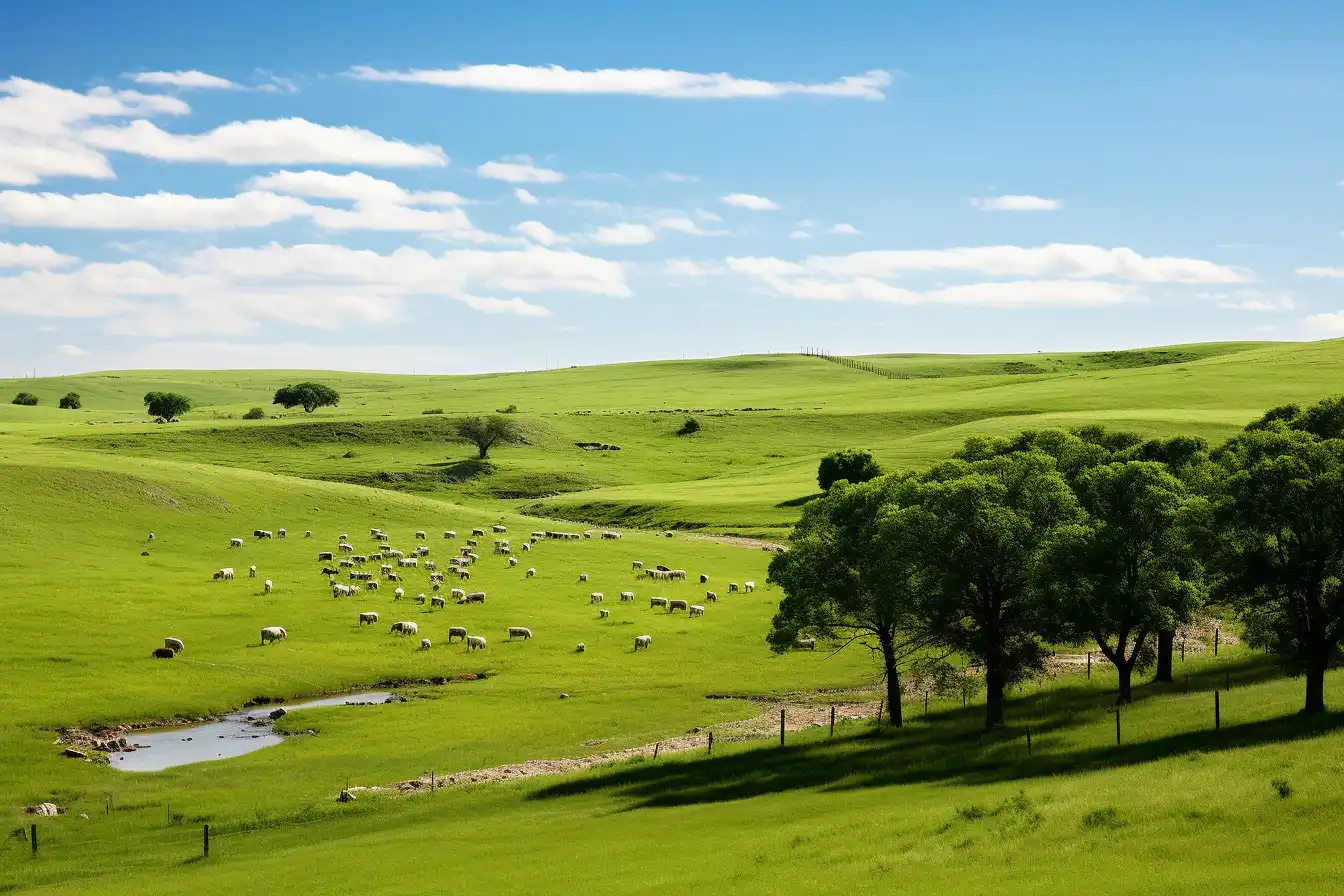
{"x":935,"y":807}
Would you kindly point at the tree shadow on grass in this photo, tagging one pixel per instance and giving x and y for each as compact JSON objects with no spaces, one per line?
{"x":953,"y":749}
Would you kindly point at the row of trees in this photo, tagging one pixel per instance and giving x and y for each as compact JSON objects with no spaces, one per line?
{"x":69,"y":401}
{"x":1093,"y":534}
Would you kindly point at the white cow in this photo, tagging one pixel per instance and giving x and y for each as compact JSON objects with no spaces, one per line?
{"x":749,"y":586}
{"x":251,"y":572}
{"x":657,"y":602}
{"x":711,"y":596}
{"x":627,"y":595}
{"x":636,"y":565}
{"x":269,"y":586}
{"x":424,"y":643}
{"x":225,"y":574}
{"x":475,"y":597}
{"x":175,"y":643}
{"x":307,"y":533}
{"x":583,"y":577}
{"x":603,"y":614}
{"x":806,"y":644}
{"x":513,"y":561}
{"x":732,"y":587}
{"x":436,"y":601}
{"x":458,"y":594}
{"x":642,"y":642}
{"x":527,"y":547}
{"x":595,"y":597}
{"x":405,"y":628}
{"x":235,"y":542}
{"x":531,"y":571}
{"x":399,"y":593}
{"x":368,"y":618}
{"x":280,"y":532}
{"x":475,"y":642}
{"x":519,"y":631}
{"x":449,"y":533}
{"x":273,"y":633}
{"x":457,"y":631}
{"x":697,"y":610}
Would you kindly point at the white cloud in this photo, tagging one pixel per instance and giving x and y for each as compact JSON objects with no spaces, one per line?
{"x":25,"y":255}
{"x":40,"y":128}
{"x":223,"y":291}
{"x":525,"y":197}
{"x":843,"y":229}
{"x":539,"y":233}
{"x":282,"y":141}
{"x":554,"y":79}
{"x":1321,"y":272}
{"x":597,"y":205}
{"x":625,"y":235}
{"x":750,"y":202}
{"x":71,"y":351}
{"x":672,"y":177}
{"x":1017,"y":204}
{"x":800,"y":235}
{"x":1254,"y":300}
{"x":685,"y":267}
{"x":1329,"y":322}
{"x":355,"y":186}
{"x":686,"y":226}
{"x":188,"y":80}
{"x":519,"y":170}
{"x":706,"y":215}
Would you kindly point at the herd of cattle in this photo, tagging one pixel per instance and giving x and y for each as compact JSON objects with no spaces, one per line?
{"x":361,"y":578}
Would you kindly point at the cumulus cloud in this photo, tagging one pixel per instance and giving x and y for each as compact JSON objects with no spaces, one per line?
{"x":672,"y":177}
{"x":183,"y":80}
{"x":1254,"y":300}
{"x":1321,"y":272}
{"x":519,"y":170}
{"x":750,"y":202}
{"x":354,"y":186}
{"x":800,"y":235}
{"x":539,"y":233}
{"x":224,"y":291}
{"x":71,"y":351}
{"x":1016,"y":204}
{"x":25,"y":255}
{"x":665,"y":83}
{"x":843,"y":229}
{"x":625,"y":235}
{"x":685,"y":267}
{"x":282,"y":141}
{"x":686,"y":226}
{"x":525,"y":197}
{"x":1330,"y":322}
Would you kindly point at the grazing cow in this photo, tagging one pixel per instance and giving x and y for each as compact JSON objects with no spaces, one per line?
{"x":627,"y":595}
{"x":394,"y":553}
{"x":610,"y":535}
{"x":422,"y":550}
{"x":449,"y":533}
{"x":385,"y":569}
{"x":273,"y":633}
{"x":325,"y":555}
{"x":579,"y":649}
{"x":595,"y":597}
{"x":519,"y":631}
{"x":457,"y":594}
{"x":373,"y":586}
{"x":637,"y":565}
{"x":374,"y":532}
{"x":347,"y":564}
{"x":393,"y":577}
{"x":475,"y":597}
{"x":398,"y":594}
{"x":475,"y":642}
{"x":431,"y":566}
{"x":436,"y":601}
{"x":678,"y":575}
{"x":328,"y":571}
{"x":456,"y":631}
{"x":421,"y":598}
{"x":471,"y":542}
{"x":436,"y":587}
{"x":420,"y":535}
{"x":424,"y":643}
{"x":806,"y":644}
{"x":531,"y":571}
{"x":268,"y":587}
{"x":642,"y":642}
{"x":308,"y":533}
{"x":583,"y":577}
{"x":498,"y":530}
{"x":164,"y":653}
{"x":657,"y":602}
{"x":527,"y":547}
{"x":339,"y":590}
{"x":368,"y":618}
{"x":343,"y":537}
{"x":711,"y":596}
{"x":347,"y":547}
{"x":281,"y":532}
{"x":479,"y":533}
{"x":225,"y":574}
{"x":732,"y":587}
{"x":463,"y":574}
{"x":603,"y":614}
{"x":383,"y":536}
{"x":405,"y":628}
{"x":703,"y":578}
{"x":151,"y":536}
{"x":175,"y":643}
{"x":749,"y":586}
{"x":676,"y":605}
{"x":513,"y":561}
{"x":360,"y":558}
{"x":235,"y":542}
{"x":251,"y":572}
{"x":697,"y":610}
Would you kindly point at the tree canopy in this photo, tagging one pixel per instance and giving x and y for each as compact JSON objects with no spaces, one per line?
{"x":850,"y":464}
{"x":486,"y":432}
{"x":70,"y":401}
{"x":166,"y":405}
{"x":309,"y":396}
{"x":27,"y":399}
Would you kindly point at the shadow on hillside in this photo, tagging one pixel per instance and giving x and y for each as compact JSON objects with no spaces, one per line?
{"x":799,"y":502}
{"x":950,"y":748}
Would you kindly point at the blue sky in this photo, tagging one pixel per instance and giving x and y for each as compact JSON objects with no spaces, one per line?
{"x":443,"y":188}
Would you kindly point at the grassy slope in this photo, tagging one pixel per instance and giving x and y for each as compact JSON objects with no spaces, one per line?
{"x":83,"y":609}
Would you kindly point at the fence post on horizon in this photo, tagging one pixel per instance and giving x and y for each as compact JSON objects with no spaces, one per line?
{"x":34,"y":837}
{"x":1217,"y":636}
{"x":1217,"y":711}
{"x":710,"y":750}
{"x":1028,"y":740}
{"x":781,"y":726}
{"x":1089,"y":665}
{"x":1117,"y":726}
{"x":926,"y":704}
{"x":832,"y":720}
{"x":1182,"y":650}
{"x":655,"y":749}
{"x":206,"y":841}
{"x":881,"y":705}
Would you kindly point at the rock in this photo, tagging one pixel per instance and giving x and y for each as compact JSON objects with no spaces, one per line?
{"x":74,"y":754}
{"x":84,"y":815}
{"x":395,"y":698}
{"x":45,"y":809}
{"x":278,"y":713}
{"x":346,"y":796}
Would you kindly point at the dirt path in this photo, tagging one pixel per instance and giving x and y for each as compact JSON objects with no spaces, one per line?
{"x":737,"y":541}
{"x":797,"y":716}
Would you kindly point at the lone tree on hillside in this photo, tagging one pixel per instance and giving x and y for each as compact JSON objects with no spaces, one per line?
{"x":690,"y":427}
{"x":850,"y":575}
{"x":310,"y":396}
{"x":166,"y":405}
{"x":487,"y":432}
{"x":27,"y":399}
{"x":1279,"y":515}
{"x":70,"y":402}
{"x":851,"y":464}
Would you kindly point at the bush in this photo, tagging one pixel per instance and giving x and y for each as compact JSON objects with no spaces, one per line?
{"x":511,"y":409}
{"x":690,"y":427}
{"x":255,"y":414}
{"x":27,"y":399}
{"x":432,"y":411}
{"x":851,"y":464}
{"x":1102,"y":818}
{"x":1282,"y":788}
{"x":70,"y":402}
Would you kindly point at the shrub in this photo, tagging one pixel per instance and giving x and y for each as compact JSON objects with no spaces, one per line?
{"x":511,"y":409}
{"x":255,"y":414}
{"x":690,"y":427}
{"x":1282,"y":788}
{"x":432,"y":411}
{"x":851,"y":464}
{"x":27,"y":399}
{"x":1102,"y":818}
{"x":70,"y":401}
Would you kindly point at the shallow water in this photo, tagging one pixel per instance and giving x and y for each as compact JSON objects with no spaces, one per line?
{"x":234,"y":735}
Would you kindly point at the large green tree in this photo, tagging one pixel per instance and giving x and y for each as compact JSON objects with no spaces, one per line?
{"x":166,"y":405}
{"x":850,"y":464}
{"x":849,"y":576}
{"x":487,"y":432}
{"x":310,"y":396}
{"x":1279,"y":511}
{"x":1129,"y":569}
{"x":982,"y":528}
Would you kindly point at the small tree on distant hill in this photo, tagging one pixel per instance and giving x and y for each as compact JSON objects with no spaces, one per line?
{"x":851,"y":464}
{"x":309,"y":396}
{"x":690,"y":427}
{"x":166,"y":404}
{"x":255,"y":414}
{"x":70,"y":402}
{"x":486,"y":432}
{"x":26,"y":399}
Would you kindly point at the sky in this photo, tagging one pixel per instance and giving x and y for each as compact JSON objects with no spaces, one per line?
{"x":421,"y":187}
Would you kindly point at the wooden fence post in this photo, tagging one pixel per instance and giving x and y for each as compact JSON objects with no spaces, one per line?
{"x":1089,"y":665}
{"x":1028,"y":741}
{"x":655,"y":749}
{"x":33,"y":834}
{"x":881,"y":705}
{"x":781,"y":727}
{"x":926,"y":704}
{"x":1217,"y":636}
{"x":1117,"y":726}
{"x":710,"y":751}
{"x":832,"y":720}
{"x":206,"y":841}
{"x":1217,"y":711}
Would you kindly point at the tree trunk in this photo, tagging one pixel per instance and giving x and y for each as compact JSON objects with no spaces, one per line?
{"x":994,"y":696}
{"x":892,"y":673}
{"x":482,"y":451}
{"x":1166,"y":642}
{"x":1315,"y":704}
{"x":1125,"y":667}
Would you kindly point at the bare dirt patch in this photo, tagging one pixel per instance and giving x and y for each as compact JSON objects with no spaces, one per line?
{"x":738,"y":541}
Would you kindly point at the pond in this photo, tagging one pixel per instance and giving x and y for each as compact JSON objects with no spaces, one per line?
{"x":235,"y":734}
